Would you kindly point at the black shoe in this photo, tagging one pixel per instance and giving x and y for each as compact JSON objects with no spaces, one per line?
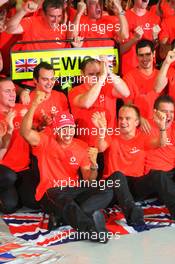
{"x":136,"y":217}
{"x":54,"y":222}
{"x":99,"y":233}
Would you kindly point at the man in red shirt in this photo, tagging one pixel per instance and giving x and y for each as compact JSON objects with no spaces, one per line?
{"x":99,"y":91}
{"x":125,"y":155}
{"x":96,"y":25}
{"x":162,"y":160}
{"x":59,"y":159}
{"x":16,"y":179}
{"x":45,"y":27}
{"x":141,"y":80}
{"x":54,"y":102}
{"x":142,"y":24}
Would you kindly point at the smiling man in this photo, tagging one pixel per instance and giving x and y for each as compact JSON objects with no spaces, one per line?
{"x":44,"y":27}
{"x":16,"y":179}
{"x":54,"y":101}
{"x":60,"y":156}
{"x":162,"y":160}
{"x":141,"y":80}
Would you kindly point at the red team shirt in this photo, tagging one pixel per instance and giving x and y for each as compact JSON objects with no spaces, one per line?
{"x":105,"y":102}
{"x":59,"y":165}
{"x":37,"y":28}
{"x":17,"y":156}
{"x":126,"y":156}
{"x":168,"y":29}
{"x":162,"y":158}
{"x":105,"y":27}
{"x":141,"y":88}
{"x":166,"y":9}
{"x":129,"y":59}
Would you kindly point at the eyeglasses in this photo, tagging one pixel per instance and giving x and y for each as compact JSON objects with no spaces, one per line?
{"x":148,"y":54}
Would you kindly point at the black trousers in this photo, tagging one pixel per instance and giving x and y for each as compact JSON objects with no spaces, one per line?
{"x":121,"y":193}
{"x":17,"y":189}
{"x":156,"y":182}
{"x":75,"y":205}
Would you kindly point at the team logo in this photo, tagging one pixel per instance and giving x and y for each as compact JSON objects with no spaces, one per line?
{"x":54,"y":110}
{"x":16,"y":125}
{"x":168,"y":142}
{"x":134,"y":150}
{"x":102,"y":98}
{"x":147,"y":26}
{"x":73,"y":161}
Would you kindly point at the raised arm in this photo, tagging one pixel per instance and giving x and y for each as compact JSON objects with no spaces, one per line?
{"x":87,"y":99}
{"x":162,"y":79}
{"x":100,"y":122}
{"x":6,"y":127}
{"x":3,"y":16}
{"x":30,"y":135}
{"x":120,"y":13}
{"x":138,"y":33}
{"x":13,"y":25}
{"x":120,"y":86}
{"x":74,"y":30}
{"x":90,"y":173}
{"x":160,"y":120}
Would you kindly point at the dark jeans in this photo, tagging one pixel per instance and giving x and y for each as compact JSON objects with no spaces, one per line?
{"x":155,"y":182}
{"x":121,"y":193}
{"x":75,"y":205}
{"x":17,"y":189}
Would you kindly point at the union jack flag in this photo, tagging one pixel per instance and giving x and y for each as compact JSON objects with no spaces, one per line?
{"x":32,"y":226}
{"x":25,"y":65}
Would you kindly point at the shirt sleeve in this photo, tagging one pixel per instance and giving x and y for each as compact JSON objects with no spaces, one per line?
{"x":129,"y":79}
{"x":164,"y":33}
{"x":44,"y":141}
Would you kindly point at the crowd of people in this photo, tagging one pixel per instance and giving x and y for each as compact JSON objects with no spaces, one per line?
{"x":73,"y":155}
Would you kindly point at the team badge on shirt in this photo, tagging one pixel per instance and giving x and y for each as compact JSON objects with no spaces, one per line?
{"x":134,"y":150}
{"x":73,"y":161}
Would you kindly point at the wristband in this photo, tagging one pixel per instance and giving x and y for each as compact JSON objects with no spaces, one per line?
{"x":162,"y":129}
{"x":94,"y":167}
{"x":27,"y":90}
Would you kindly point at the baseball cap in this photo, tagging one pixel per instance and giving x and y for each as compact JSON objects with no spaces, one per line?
{"x":62,"y":119}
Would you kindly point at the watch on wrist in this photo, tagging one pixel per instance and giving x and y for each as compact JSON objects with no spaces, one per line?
{"x":121,"y":13}
{"x":94,"y":167}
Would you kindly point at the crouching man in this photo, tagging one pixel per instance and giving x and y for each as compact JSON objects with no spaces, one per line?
{"x":60,"y":156}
